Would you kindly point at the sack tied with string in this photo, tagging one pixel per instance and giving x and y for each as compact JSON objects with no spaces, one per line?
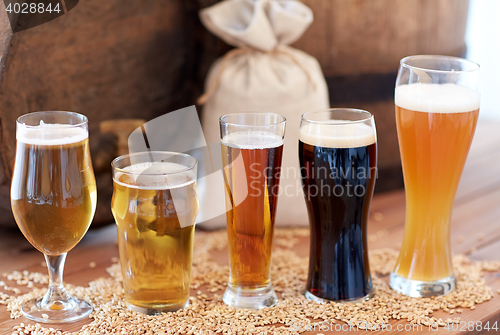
{"x":263,"y":74}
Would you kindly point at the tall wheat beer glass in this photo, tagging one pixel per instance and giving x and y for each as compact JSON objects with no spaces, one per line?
{"x":338,"y":162}
{"x":252,"y":147}
{"x":155,"y":205}
{"x":437,"y":106}
{"x":53,"y":197}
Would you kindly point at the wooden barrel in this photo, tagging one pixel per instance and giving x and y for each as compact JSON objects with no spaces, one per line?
{"x":114,"y":59}
{"x":371,"y":36}
{"x":359,"y":44}
{"x":121,"y":59}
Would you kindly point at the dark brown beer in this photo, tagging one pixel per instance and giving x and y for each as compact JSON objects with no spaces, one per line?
{"x":338,"y":178}
{"x":252,"y":162}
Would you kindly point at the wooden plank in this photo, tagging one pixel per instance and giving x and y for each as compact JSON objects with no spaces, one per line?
{"x":473,"y":222}
{"x":100,"y":246}
{"x":480,"y":172}
{"x":479,"y":184}
{"x":353,"y":37}
{"x":97,"y":246}
{"x":5,"y":36}
{"x":5,"y":40}
{"x":387,"y":210}
{"x":475,"y":214}
{"x":486,"y":134}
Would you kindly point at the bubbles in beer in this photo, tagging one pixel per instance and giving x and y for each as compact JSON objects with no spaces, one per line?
{"x":53,"y":189}
{"x":337,"y":134}
{"x":155,"y":207}
{"x":51,"y":134}
{"x":252,"y":140}
{"x":437,"y":98}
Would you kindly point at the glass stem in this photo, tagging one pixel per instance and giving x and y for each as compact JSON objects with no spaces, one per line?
{"x":56,"y":293}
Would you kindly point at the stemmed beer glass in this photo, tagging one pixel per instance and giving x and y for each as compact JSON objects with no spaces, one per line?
{"x":53,"y":197}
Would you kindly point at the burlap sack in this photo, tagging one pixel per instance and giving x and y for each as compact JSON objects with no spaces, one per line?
{"x":263,"y":74}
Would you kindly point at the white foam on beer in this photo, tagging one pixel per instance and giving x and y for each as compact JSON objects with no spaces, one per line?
{"x":157,"y":176}
{"x":437,"y":98}
{"x":252,"y":140}
{"x":337,"y":134}
{"x":51,"y":134}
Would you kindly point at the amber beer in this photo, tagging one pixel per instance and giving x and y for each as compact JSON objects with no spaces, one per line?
{"x":155,"y":205}
{"x":252,"y":161}
{"x":436,"y":123}
{"x":338,"y":161}
{"x":53,"y":190}
{"x":250,"y":224}
{"x":53,"y":199}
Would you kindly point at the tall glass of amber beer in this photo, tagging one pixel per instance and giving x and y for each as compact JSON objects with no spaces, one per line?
{"x":437,"y":106}
{"x":252,"y":147}
{"x":53,"y":198}
{"x":155,"y":205}
{"x":338,"y":162}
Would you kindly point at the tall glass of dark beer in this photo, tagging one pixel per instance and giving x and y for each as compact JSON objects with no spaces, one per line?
{"x":252,"y":147}
{"x":437,"y":106}
{"x":53,"y":198}
{"x":338,"y":162}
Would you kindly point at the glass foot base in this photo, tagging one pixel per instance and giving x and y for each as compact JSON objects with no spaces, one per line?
{"x":312,"y":297}
{"x":154,"y":310}
{"x":252,"y":299}
{"x":418,"y":288}
{"x":57,"y":311}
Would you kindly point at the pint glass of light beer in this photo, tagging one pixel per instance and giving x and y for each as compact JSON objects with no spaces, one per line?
{"x":155,"y":205}
{"x":252,"y":147}
{"x":53,"y":198}
{"x":437,"y":106}
{"x":338,"y":162}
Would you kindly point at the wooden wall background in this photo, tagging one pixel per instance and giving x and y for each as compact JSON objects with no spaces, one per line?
{"x":359,"y":44}
{"x":110,"y":59}
{"x":119,"y":59}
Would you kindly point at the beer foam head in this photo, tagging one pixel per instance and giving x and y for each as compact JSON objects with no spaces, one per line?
{"x":51,"y":134}
{"x":155,"y":176}
{"x":252,"y":140}
{"x":341,"y":134}
{"x":437,"y":98}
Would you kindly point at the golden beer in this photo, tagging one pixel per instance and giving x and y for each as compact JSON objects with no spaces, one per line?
{"x":437,"y":106}
{"x":434,"y":146}
{"x":53,"y":198}
{"x":250,"y":222}
{"x":53,"y":193}
{"x":155,"y":207}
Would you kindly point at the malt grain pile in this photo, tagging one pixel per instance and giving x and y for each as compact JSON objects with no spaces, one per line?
{"x":206,"y":314}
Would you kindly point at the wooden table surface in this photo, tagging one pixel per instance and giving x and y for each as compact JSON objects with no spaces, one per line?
{"x":475,"y":231}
